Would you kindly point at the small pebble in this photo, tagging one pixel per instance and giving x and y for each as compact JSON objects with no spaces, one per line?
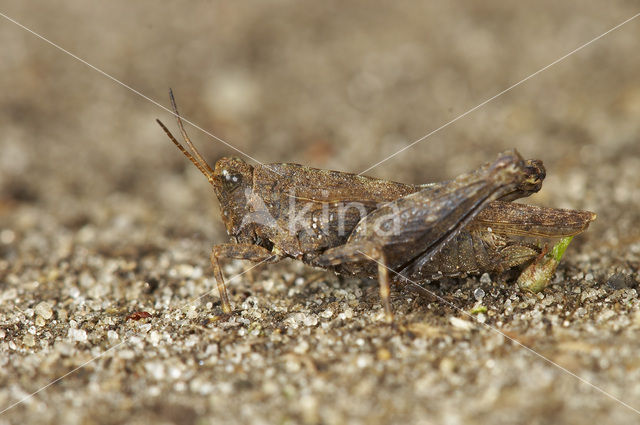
{"x":64,"y":348}
{"x":192,"y":313}
{"x":29,"y":340}
{"x":78,"y":335}
{"x":363,"y":361}
{"x":447,"y":366}
{"x":485,"y":278}
{"x":301,"y":348}
{"x":383,"y":354}
{"x":154,"y":337}
{"x":326,"y":314}
{"x":460,"y":323}
{"x":156,"y":370}
{"x":127,"y":354}
{"x":478,"y":294}
{"x":310,"y":320}
{"x":620,"y":281}
{"x":7,"y":236}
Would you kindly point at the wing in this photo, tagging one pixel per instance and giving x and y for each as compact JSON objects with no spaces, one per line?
{"x":507,"y":218}
{"x":413,"y":228}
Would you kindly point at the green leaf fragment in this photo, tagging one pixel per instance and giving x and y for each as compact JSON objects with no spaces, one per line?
{"x":537,"y":276}
{"x":478,"y":309}
{"x":558,"y":249}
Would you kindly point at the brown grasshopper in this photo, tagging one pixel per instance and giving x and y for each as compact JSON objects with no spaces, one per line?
{"x":364,"y":226}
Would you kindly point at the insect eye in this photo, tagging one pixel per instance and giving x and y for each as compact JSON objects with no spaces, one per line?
{"x":232,"y":178}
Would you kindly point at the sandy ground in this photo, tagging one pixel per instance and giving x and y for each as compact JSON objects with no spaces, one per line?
{"x":100,"y":216}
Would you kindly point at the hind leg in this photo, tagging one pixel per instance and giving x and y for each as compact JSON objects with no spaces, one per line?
{"x":356,"y":252}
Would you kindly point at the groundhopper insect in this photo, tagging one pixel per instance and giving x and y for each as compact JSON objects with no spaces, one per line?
{"x":364,"y":226}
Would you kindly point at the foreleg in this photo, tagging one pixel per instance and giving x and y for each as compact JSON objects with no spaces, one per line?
{"x":249,"y":252}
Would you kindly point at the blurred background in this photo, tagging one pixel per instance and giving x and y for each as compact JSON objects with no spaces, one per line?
{"x":328,"y":84}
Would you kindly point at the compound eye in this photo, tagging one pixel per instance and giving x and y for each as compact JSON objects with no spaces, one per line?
{"x":232,"y":178}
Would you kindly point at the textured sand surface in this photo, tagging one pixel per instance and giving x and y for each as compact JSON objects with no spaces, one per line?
{"x":101,"y":217}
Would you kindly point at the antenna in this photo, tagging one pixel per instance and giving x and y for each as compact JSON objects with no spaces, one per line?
{"x":206,"y":172}
{"x":185,"y":136}
{"x":194,"y":156}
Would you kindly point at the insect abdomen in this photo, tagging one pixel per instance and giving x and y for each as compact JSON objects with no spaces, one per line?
{"x":467,"y":253}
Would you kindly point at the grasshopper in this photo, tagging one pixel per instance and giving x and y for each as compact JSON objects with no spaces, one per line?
{"x":366,"y":227}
